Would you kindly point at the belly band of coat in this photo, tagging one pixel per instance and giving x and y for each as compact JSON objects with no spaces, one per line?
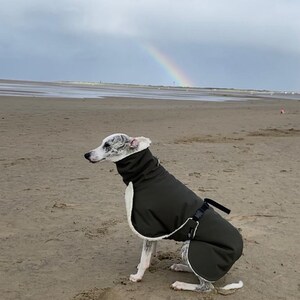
{"x":161,"y":207}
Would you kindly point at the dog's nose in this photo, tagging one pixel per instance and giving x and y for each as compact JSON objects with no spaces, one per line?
{"x":87,"y":155}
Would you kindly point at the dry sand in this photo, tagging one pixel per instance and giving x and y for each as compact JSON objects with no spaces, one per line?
{"x":63,"y":230}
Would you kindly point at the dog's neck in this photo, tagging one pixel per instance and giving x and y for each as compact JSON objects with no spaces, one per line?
{"x":134,"y":167}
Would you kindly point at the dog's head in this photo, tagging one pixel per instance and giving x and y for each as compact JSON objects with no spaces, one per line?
{"x":116,"y":147}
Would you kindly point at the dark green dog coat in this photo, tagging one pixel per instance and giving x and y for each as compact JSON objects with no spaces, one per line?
{"x":161,"y":207}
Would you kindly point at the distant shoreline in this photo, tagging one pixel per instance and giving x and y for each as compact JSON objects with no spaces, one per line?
{"x":95,"y":83}
{"x":75,"y":89}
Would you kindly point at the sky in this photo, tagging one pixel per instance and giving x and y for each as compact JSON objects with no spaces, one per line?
{"x":248,"y":44}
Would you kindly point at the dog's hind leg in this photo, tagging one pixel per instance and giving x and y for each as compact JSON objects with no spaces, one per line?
{"x":148,"y":248}
{"x":206,"y":286}
{"x":203,"y":286}
{"x":184,"y":267}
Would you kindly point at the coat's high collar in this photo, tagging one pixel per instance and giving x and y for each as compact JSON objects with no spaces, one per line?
{"x":136,"y":166}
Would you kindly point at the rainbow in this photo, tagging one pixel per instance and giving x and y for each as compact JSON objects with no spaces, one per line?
{"x":169,"y":66}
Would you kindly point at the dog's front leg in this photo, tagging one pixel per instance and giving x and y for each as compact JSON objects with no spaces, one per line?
{"x":148,"y":248}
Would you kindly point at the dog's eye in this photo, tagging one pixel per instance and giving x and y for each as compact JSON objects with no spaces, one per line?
{"x":106,"y":145}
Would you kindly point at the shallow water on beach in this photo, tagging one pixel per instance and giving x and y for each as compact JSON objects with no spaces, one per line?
{"x":99,"y":90}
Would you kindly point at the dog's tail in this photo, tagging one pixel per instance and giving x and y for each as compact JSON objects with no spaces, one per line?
{"x":230,"y":288}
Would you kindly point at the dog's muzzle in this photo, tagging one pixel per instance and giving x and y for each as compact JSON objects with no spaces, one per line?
{"x":87,"y":155}
{"x":90,"y":158}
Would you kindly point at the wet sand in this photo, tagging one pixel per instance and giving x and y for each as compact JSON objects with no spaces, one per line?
{"x":88,"y":90}
{"x":63,"y":229}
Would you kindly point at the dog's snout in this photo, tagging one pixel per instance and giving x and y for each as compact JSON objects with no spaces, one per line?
{"x":87,"y":155}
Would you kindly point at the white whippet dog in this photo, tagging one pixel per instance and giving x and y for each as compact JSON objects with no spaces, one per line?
{"x":115,"y":148}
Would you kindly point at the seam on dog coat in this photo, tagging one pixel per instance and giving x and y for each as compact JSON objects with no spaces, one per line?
{"x":161,"y":207}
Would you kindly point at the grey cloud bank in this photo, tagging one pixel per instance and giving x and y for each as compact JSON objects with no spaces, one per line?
{"x":229,"y":43}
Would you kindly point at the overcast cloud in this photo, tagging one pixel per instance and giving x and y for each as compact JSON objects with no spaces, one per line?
{"x":216,"y":43}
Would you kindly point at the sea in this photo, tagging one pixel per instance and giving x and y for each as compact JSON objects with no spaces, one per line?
{"x":85,"y":90}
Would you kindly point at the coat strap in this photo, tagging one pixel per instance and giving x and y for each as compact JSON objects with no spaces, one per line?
{"x":217,"y":205}
{"x":200,"y":212}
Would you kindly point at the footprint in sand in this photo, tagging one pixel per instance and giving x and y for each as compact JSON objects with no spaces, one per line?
{"x":100,"y":231}
{"x":95,"y":293}
{"x":275,"y":132}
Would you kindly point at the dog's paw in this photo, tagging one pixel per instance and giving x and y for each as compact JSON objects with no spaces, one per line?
{"x":174,"y":267}
{"x":180,"y":268}
{"x":135,"y":278}
{"x":178,"y":285}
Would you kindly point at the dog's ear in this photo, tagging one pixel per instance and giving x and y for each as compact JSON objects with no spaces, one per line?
{"x":134,"y":143}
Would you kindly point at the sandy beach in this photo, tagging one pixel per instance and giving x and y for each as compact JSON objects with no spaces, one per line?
{"x":63,"y":228}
